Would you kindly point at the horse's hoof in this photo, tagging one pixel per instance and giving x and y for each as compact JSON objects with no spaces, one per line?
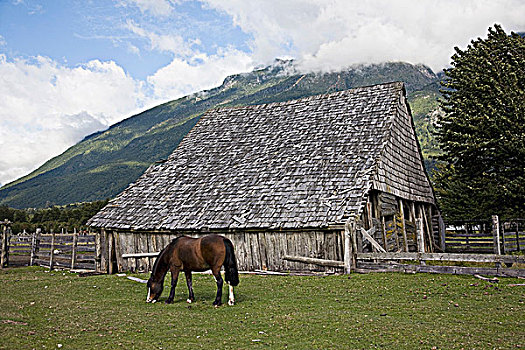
{"x":231,"y":302}
{"x":189,"y":301}
{"x":169,"y":301}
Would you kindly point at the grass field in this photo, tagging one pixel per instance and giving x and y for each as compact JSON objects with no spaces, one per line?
{"x":49,"y":310}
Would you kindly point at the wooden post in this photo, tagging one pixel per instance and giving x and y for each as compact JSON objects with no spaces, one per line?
{"x":403,"y":231}
{"x":4,"y":258}
{"x":442,"y":232}
{"x":74,"y":249}
{"x":349,"y":253}
{"x":110,"y":253}
{"x":420,"y":235}
{"x":428,"y":229}
{"x":518,"y":236}
{"x":35,"y":243}
{"x":98,"y":252}
{"x":382,"y":222}
{"x":52,"y":251}
{"x":495,"y":232}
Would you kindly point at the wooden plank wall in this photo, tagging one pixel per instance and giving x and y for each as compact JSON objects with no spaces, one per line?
{"x":254,"y":250}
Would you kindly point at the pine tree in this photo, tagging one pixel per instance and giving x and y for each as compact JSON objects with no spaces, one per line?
{"x":482,"y":132}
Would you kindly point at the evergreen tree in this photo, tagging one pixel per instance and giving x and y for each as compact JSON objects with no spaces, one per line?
{"x":482,"y":132}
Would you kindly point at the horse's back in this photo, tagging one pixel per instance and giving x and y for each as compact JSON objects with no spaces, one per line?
{"x":199,"y":254}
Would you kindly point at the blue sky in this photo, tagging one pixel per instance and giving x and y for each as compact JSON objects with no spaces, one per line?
{"x":73,"y":32}
{"x":70,"y":67}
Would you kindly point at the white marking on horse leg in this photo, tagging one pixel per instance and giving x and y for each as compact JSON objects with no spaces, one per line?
{"x":149,"y":293}
{"x":153,"y":301}
{"x":188,"y":301}
{"x":231,"y":298}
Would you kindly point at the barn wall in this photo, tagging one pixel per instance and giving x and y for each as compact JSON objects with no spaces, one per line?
{"x":254,"y":250}
{"x":395,"y":218}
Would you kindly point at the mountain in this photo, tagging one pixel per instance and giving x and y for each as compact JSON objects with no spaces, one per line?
{"x":104,"y":163}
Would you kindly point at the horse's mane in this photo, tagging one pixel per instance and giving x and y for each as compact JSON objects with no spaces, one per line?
{"x":161,"y":255}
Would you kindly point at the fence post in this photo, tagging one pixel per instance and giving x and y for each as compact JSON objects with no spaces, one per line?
{"x":442,"y":233}
{"x":518,"y":236}
{"x":74,"y":249}
{"x":4,"y":259}
{"x":98,"y":253}
{"x":52,"y":250}
{"x":350,"y":247}
{"x":495,"y":232}
{"x":420,"y":235}
{"x":34,"y":247}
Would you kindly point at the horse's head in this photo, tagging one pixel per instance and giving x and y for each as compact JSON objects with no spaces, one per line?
{"x":154,"y":290}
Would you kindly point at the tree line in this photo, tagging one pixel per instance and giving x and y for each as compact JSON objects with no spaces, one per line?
{"x":56,"y":218}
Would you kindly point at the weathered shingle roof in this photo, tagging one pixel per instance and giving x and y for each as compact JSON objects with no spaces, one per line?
{"x":301,"y":163}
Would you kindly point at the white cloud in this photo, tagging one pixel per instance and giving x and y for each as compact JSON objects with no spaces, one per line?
{"x":182,"y":77}
{"x":161,"y":8}
{"x":162,"y":42}
{"x":334,"y":34}
{"x":47,"y":107}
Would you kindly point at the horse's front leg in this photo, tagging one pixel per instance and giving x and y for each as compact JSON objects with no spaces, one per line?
{"x":218,"y":279}
{"x":174,"y":279}
{"x":191,"y":296}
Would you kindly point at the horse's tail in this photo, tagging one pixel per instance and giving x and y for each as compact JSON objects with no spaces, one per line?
{"x":231,"y":273}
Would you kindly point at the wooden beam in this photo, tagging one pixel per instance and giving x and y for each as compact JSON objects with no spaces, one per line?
{"x":140,"y":255}
{"x":478,"y":258}
{"x":320,"y":262}
{"x":428,"y":229}
{"x":403,"y":231}
{"x":456,"y":270}
{"x":367,"y":236}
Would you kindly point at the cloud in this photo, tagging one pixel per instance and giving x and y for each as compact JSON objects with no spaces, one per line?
{"x":162,"y":42}
{"x":182,"y":77}
{"x":26,"y":145}
{"x":325,"y":35}
{"x":47,"y":107}
{"x":160,"y":8}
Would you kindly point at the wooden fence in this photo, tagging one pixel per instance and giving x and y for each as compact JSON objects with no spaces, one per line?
{"x":513,"y":235}
{"x":485,"y":237}
{"x":74,"y":251}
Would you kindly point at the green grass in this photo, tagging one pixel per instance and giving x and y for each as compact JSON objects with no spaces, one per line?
{"x":41,"y":309}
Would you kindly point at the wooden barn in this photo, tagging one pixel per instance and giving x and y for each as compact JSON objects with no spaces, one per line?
{"x":285,"y":178}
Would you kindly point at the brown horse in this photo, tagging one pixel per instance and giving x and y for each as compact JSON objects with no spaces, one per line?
{"x":194,"y":254}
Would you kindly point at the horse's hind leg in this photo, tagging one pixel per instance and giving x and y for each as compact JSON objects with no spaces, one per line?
{"x":174,"y":279}
{"x":191,"y":296}
{"x":218,"y":278}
